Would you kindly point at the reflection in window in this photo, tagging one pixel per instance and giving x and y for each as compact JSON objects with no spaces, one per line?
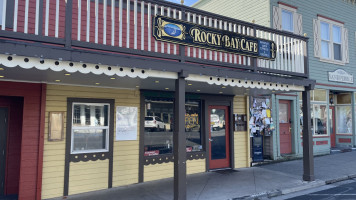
{"x":318,"y":119}
{"x":90,"y":127}
{"x":159,"y":126}
{"x":343,"y":120}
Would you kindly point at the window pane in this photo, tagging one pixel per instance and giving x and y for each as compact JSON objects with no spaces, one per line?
{"x":158,"y":133}
{"x":343,"y":120}
{"x":343,"y":99}
{"x":337,"y":51}
{"x":287,"y":20}
{"x":337,"y":34}
{"x":320,"y":95}
{"x":89,"y":139}
{"x":320,"y":115}
{"x":283,"y":113}
{"x":325,"y":31}
{"x":218,"y":134}
{"x":192,"y":125}
{"x":90,"y":115}
{"x":324,"y":49}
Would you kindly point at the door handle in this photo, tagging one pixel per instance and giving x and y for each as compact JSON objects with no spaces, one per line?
{"x":210,"y":140}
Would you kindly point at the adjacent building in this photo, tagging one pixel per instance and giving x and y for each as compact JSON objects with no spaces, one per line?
{"x":331,"y":31}
{"x":100,"y":94}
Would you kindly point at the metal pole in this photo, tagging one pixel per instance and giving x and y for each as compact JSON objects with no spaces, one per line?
{"x":308,"y":158}
{"x":179,"y":143}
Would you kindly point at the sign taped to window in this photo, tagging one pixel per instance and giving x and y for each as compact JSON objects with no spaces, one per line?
{"x":126,"y":123}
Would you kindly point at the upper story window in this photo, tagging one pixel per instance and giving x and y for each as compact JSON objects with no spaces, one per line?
{"x":330,"y":40}
{"x":286,"y":18}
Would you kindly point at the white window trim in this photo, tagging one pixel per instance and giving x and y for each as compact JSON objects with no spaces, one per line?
{"x":90,"y":127}
{"x":331,"y":41}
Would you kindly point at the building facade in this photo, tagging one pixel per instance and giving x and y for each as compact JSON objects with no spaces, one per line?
{"x":101,"y":94}
{"x":331,"y":47}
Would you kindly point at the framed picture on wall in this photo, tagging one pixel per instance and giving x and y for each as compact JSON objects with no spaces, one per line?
{"x":56,"y":126}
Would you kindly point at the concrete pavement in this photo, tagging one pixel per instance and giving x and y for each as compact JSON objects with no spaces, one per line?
{"x":246,"y":183}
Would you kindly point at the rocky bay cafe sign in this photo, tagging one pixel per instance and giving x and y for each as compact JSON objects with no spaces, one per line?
{"x":195,"y":35}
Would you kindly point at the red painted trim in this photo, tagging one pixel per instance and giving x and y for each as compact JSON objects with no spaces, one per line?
{"x":341,"y":86}
{"x":322,"y":142}
{"x":330,"y":19}
{"x":41,"y":141}
{"x":288,"y":5}
{"x":344,"y":140}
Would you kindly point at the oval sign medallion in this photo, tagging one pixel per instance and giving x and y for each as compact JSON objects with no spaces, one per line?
{"x":172,"y":30}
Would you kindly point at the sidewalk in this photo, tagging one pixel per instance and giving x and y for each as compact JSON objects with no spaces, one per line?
{"x":247,"y":183}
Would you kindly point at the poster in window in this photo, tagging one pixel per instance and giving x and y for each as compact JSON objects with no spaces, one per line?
{"x":56,"y":126}
{"x":126,"y":123}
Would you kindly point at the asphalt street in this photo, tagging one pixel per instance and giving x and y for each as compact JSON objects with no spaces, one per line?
{"x":345,"y":190}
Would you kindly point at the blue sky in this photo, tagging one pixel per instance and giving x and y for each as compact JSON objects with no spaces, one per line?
{"x":186,"y":2}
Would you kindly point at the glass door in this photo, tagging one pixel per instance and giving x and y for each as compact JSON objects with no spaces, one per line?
{"x":219,"y":138}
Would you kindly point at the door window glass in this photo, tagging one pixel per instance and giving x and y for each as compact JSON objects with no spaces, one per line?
{"x":218,"y":134}
{"x":283,"y":113}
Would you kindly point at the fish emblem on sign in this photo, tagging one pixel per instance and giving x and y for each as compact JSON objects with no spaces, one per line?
{"x":168,"y":29}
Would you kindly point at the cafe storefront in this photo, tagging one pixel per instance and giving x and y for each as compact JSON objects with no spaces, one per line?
{"x":159,"y":90}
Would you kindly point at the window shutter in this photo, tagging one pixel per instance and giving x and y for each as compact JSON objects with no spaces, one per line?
{"x":345,"y":45}
{"x":298,"y":24}
{"x":277,"y":22}
{"x":317,"y":41}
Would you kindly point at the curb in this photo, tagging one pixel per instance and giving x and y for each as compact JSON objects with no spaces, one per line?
{"x":304,"y":186}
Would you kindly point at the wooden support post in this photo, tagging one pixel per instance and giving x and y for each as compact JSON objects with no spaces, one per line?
{"x":308,"y":157}
{"x":179,"y":143}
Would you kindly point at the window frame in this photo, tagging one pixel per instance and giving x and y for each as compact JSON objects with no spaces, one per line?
{"x":107,"y":128}
{"x":331,"y":42}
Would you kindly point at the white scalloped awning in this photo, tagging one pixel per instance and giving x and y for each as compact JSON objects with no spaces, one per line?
{"x":120,"y":71}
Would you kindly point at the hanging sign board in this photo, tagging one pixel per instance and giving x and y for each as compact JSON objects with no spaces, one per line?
{"x":189,"y":34}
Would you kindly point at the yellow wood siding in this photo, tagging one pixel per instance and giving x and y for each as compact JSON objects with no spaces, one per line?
{"x":88,"y":176}
{"x":125,"y":163}
{"x":241,"y":138}
{"x":246,"y":10}
{"x":165,"y":170}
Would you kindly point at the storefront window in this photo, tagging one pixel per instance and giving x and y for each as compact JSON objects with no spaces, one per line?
{"x":90,"y":128}
{"x":343,"y":99}
{"x":343,"y":120}
{"x":320,"y":95}
{"x":159,"y":126}
{"x":318,"y":119}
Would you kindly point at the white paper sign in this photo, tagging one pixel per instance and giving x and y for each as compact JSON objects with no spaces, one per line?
{"x":126,"y":123}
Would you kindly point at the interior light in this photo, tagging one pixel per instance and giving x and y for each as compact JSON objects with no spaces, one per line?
{"x":112,"y":78}
{"x":97,"y":83}
{"x":58,"y":80}
{"x":156,"y":81}
{"x":67,"y":74}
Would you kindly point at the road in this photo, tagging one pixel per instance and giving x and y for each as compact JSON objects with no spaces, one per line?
{"x":345,"y":190}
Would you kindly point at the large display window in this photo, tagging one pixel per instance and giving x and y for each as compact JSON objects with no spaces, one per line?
{"x":319,"y":113}
{"x":159,"y":126}
{"x":343,"y":120}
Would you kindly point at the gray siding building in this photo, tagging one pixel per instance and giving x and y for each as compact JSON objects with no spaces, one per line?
{"x":331,"y":29}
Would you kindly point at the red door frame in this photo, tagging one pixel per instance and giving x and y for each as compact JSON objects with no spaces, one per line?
{"x":333,"y":135}
{"x":221,"y":163}
{"x":286,"y":138}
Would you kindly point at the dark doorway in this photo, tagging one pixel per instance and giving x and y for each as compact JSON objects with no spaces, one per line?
{"x":11,"y":114}
{"x":3,"y":140}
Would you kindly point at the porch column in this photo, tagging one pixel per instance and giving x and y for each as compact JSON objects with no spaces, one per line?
{"x":308,"y":158}
{"x":179,"y":143}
